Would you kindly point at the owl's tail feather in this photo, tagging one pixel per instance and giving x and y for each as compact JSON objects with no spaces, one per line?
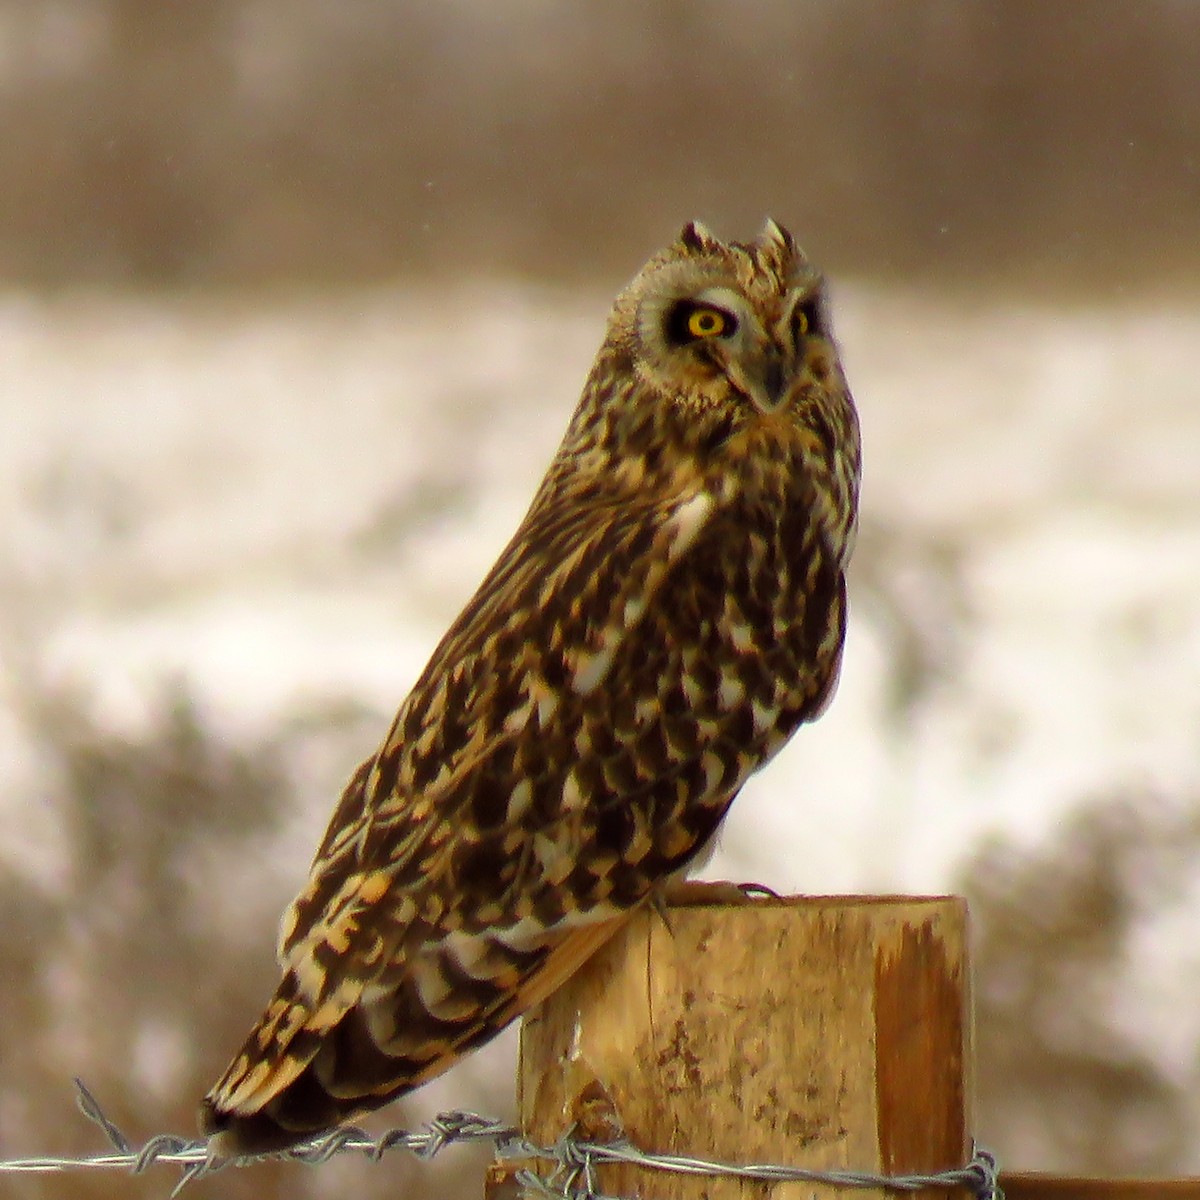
{"x":287,"y":1087}
{"x":349,"y":1075}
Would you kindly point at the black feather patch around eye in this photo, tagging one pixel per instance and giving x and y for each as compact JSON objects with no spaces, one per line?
{"x":695,"y":321}
{"x":807,"y":319}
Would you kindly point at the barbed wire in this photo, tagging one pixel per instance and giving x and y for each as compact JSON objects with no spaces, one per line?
{"x":571,"y":1175}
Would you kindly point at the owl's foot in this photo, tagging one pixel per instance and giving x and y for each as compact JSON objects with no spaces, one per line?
{"x":701,"y":893}
{"x":696,"y":893}
{"x":705,"y":893}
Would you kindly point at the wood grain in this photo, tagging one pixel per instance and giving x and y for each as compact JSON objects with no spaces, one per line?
{"x":820,"y":1032}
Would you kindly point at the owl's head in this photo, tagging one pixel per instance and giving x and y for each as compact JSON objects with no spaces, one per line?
{"x":726,"y":326}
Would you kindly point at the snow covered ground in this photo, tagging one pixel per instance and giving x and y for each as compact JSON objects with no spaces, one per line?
{"x":284,"y":503}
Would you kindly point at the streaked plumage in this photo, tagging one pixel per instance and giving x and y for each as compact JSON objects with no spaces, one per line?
{"x":670,"y":609}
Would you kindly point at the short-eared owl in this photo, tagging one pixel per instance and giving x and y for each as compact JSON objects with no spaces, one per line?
{"x":671,"y":608}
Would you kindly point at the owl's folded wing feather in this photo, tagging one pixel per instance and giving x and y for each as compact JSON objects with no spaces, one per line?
{"x":502,"y":833}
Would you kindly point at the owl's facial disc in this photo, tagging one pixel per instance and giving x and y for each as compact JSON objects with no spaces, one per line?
{"x":721,"y":336}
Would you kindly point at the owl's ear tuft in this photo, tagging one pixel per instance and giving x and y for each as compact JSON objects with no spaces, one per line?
{"x":696,"y":237}
{"x":773,"y":233}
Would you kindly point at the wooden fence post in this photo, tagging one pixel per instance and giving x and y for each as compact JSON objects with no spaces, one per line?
{"x":826,"y":1032}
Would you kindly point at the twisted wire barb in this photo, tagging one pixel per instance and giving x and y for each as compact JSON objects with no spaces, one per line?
{"x":571,"y":1175}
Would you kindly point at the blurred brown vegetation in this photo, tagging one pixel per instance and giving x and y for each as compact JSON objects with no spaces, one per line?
{"x":131,"y":977}
{"x":250,"y":142}
{"x":1060,"y":1072}
{"x":142,"y":969}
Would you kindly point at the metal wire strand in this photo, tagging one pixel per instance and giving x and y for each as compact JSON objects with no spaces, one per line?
{"x":571,"y":1174}
{"x":575,"y":1164}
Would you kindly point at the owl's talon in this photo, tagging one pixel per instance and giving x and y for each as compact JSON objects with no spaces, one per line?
{"x":695,"y":893}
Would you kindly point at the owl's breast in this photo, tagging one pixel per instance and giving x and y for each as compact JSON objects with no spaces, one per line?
{"x":752,"y":620}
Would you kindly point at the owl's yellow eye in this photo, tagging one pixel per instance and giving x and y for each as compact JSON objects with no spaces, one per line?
{"x":692,"y":321}
{"x":707,"y":323}
{"x":806,"y":319}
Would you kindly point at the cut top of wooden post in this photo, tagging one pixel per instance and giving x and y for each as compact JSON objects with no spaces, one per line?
{"x":823,"y":1032}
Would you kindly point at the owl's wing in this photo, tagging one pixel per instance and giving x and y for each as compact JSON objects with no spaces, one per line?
{"x":505,"y":829}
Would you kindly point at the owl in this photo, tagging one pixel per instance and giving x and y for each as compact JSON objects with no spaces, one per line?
{"x":671,"y":608}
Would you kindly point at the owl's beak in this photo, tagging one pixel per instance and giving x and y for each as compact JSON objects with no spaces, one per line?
{"x":763,"y":378}
{"x":774,"y":379}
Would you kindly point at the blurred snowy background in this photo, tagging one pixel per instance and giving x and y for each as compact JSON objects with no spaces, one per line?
{"x":295,"y":302}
